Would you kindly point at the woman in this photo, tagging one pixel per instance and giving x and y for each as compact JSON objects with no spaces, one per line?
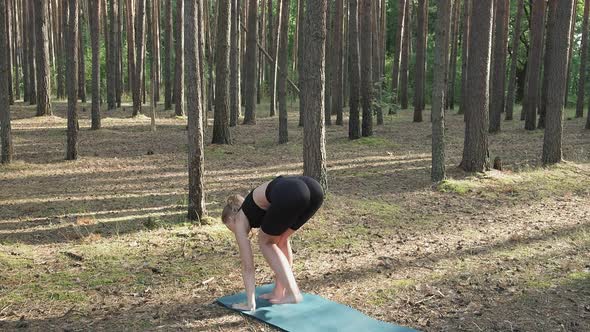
{"x":279,"y":208}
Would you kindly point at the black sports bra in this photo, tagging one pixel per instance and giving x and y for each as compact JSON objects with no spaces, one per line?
{"x":253,"y":212}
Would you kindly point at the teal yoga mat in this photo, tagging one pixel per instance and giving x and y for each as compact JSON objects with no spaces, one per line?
{"x":313,"y":314}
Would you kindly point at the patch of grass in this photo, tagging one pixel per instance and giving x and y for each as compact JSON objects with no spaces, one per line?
{"x":384,"y":296}
{"x":14,"y":166}
{"x":579,"y":275}
{"x":373,"y":141}
{"x":384,"y":211}
{"x":460,"y":187}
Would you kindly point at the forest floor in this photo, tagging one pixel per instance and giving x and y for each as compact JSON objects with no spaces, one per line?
{"x":102,"y":243}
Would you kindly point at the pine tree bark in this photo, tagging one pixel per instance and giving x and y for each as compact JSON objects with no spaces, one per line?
{"x":221,"y":133}
{"x":398,"y":46}
{"x":138,"y":87}
{"x":532,"y":95}
{"x":558,"y":40}
{"x":546,"y":78}
{"x":152,"y":31}
{"x":511,"y":94}
{"x":72,"y":80}
{"x":300,"y":54}
{"x":235,"y":77}
{"x":452,"y":75}
{"x":168,"y":55}
{"x":7,"y":149}
{"x":58,"y":37}
{"x":179,"y":62}
{"x":250,"y":64}
{"x":8,"y":49}
{"x":81,"y":57}
{"x":42,"y":58}
{"x":475,"y":149}
{"x":274,"y":65}
{"x":354,"y":68}
{"x":421,"y":41}
{"x":262,"y":41}
{"x":337,"y":73}
{"x":131,"y":41}
{"x":570,"y":54}
{"x":296,"y":35}
{"x":366,"y":46}
{"x":119,"y":70}
{"x":329,"y":64}
{"x":465,"y":54}
{"x":312,"y":75}
{"x":498,"y":79}
{"x":25,"y":51}
{"x":283,"y":63}
{"x":111,"y":58}
{"x":156,"y":49}
{"x":441,"y":52}
{"x":583,"y":59}
{"x":376,"y":39}
{"x":33,"y":52}
{"x":405,"y":60}
{"x":194,"y":107}
{"x":94,"y":17}
{"x":16,"y":49}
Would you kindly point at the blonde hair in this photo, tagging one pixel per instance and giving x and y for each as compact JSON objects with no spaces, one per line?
{"x":233,"y":204}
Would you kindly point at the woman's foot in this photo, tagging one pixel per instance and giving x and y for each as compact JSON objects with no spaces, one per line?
{"x":278,"y":292}
{"x":287,"y":299}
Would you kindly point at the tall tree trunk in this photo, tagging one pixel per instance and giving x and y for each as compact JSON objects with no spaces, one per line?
{"x":81,"y":57}
{"x":450,"y":94}
{"x":58,"y":37}
{"x":179,"y":67}
{"x":475,"y":149}
{"x":312,"y":81}
{"x":514,"y":62}
{"x":583,"y":59}
{"x":156,"y":49}
{"x":366,"y":45}
{"x":354,"y":128}
{"x":168,"y":55}
{"x":194,"y":107}
{"x":32,"y":53}
{"x":221,"y":133}
{"x":283,"y":63}
{"x":545,"y":87}
{"x":16,"y":49}
{"x":235,"y":92}
{"x":570,"y":54}
{"x":8,"y":49}
{"x":405,"y":60}
{"x":498,"y":79}
{"x":154,"y":70}
{"x":6,"y":151}
{"x":300,"y":55}
{"x":441,"y":52}
{"x":94,"y":17}
{"x":119,"y":54}
{"x":296,"y":35}
{"x":42,"y":51}
{"x":131,"y":44}
{"x":329,"y":64}
{"x":25,"y":51}
{"x":376,"y":39}
{"x":111,"y":58}
{"x":534,"y":64}
{"x":337,"y":83}
{"x":398,"y":45}
{"x":465,"y":54}
{"x":275,"y":64}
{"x":421,"y":41}
{"x":262,"y":41}
{"x":138,"y":88}
{"x":558,"y":43}
{"x":72,"y":80}
{"x":250,"y":64}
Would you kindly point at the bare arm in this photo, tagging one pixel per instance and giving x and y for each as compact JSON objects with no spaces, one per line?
{"x":247,"y":271}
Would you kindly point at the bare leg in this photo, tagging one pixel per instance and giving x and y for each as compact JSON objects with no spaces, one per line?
{"x":281,"y":266}
{"x":285,"y":246}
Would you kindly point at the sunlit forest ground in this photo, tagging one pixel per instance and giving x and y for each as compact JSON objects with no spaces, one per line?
{"x":102,"y":244}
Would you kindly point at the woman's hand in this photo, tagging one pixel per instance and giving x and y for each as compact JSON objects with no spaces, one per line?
{"x":244,"y":306}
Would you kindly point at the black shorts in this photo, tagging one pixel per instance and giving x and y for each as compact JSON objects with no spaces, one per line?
{"x":293,"y":201}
